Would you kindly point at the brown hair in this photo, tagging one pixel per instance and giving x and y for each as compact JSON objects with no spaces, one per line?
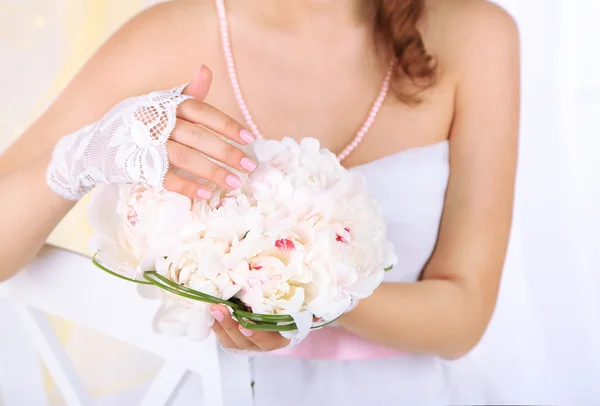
{"x":395,"y":24}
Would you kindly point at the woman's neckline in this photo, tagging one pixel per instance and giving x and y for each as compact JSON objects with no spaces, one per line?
{"x":402,"y":154}
{"x":241,"y":100}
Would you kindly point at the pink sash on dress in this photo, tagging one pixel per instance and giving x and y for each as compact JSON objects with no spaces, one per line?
{"x":339,"y":344}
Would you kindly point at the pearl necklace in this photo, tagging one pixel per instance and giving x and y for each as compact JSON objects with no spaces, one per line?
{"x":231,"y":70}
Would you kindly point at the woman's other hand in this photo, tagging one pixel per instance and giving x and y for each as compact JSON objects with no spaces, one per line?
{"x":234,"y":337}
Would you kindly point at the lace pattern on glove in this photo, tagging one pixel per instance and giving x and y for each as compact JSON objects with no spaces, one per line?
{"x":128,"y":145}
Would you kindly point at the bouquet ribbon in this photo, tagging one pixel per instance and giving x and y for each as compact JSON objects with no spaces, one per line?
{"x":337,"y":344}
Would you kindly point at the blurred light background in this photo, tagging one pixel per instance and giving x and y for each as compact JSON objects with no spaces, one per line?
{"x":546,"y":315}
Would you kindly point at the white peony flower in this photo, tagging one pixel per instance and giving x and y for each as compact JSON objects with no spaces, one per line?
{"x":349,"y":251}
{"x":130,"y":221}
{"x":289,"y":174}
{"x":306,"y":164}
{"x":198,"y":263}
{"x":271,"y":279}
{"x":360,"y":229}
{"x":323,"y":298}
{"x":359,"y":245}
{"x":228,"y":216}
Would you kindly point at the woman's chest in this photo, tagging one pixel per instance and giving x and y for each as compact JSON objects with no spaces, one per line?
{"x":333,"y":107}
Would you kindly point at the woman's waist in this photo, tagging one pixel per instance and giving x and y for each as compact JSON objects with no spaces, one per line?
{"x":339,"y":344}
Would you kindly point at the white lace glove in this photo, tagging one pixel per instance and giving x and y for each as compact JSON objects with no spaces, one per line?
{"x":128,"y":145}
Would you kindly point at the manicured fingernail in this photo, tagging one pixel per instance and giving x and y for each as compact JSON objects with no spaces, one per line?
{"x":233,"y":181}
{"x":248,"y":164}
{"x":245,"y":332}
{"x":204,"y":194}
{"x":199,"y":69}
{"x":217,"y":315}
{"x":246,"y":136}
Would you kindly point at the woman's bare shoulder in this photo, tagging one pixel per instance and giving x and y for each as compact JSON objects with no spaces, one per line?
{"x":159,"y":48}
{"x":458,"y":32}
{"x":171,"y":39}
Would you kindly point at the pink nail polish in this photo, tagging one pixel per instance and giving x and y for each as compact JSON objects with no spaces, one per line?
{"x":199,"y":69}
{"x":233,"y":181}
{"x":248,"y":164}
{"x":246,"y":136}
{"x":204,"y":194}
{"x":217,"y":315}
{"x":246,"y":332}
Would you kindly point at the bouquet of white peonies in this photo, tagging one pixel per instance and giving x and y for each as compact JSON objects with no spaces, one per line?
{"x":291,"y":250}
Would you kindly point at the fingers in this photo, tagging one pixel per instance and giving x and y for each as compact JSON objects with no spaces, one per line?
{"x":233,"y":335}
{"x":200,"y":85}
{"x":227,"y":330}
{"x":223,"y":337}
{"x":205,"y":141}
{"x":195,"y":163}
{"x":265,"y":340}
{"x":198,"y":112}
{"x":186,"y":187}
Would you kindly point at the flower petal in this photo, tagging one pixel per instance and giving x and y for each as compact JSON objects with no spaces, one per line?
{"x":102,"y":212}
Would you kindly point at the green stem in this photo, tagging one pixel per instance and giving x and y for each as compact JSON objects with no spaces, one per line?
{"x":262,"y":326}
{"x":170,"y":286}
{"x":273,"y":318}
{"x":113,"y":273}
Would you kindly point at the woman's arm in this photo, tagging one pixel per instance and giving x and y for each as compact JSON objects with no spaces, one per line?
{"x":127,"y":65}
{"x":447,"y":312}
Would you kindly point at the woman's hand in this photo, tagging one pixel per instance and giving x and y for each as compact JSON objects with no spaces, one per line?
{"x":234,"y":337}
{"x":143,"y":138}
{"x":199,"y":133}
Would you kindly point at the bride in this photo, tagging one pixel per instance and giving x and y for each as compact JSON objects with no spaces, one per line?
{"x":421,"y":96}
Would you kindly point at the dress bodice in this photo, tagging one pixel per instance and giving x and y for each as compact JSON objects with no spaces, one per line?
{"x":410,"y":187}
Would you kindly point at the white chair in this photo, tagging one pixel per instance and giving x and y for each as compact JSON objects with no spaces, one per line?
{"x":67,"y":285}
